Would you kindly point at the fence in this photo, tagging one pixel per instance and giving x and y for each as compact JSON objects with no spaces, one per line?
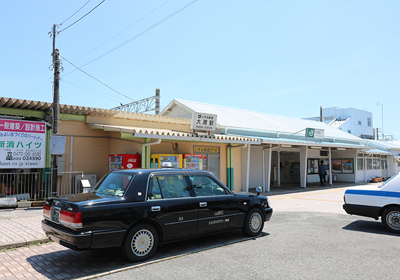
{"x":37,"y":185}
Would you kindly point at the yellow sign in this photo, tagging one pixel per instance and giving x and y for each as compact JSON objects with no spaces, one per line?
{"x":206,"y":150}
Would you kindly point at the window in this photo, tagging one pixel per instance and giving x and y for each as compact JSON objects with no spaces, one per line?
{"x":359,"y":122}
{"x":360,"y":155}
{"x":360,"y":164}
{"x":376,"y":163}
{"x":169,"y":186}
{"x":206,"y":186}
{"x":384,"y":164}
{"x":115,"y":184}
{"x":369,"y":121}
{"x":369,"y":163}
{"x":349,"y":131}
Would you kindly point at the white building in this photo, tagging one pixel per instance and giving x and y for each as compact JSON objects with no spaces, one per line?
{"x":350,"y":120}
{"x":287,"y":154}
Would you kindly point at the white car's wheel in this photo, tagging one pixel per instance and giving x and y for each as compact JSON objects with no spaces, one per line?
{"x":141,"y":242}
{"x":391,"y":219}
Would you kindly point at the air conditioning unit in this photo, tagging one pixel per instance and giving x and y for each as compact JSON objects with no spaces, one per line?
{"x":92,"y":180}
{"x":323,"y":153}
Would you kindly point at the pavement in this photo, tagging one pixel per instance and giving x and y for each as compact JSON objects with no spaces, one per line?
{"x":26,"y":252}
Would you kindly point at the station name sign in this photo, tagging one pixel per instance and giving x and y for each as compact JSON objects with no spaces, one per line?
{"x":202,"y":121}
{"x":314,"y":133}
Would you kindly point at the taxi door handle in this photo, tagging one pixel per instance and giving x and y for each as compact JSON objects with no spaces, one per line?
{"x":155,"y":208}
{"x":203,"y":204}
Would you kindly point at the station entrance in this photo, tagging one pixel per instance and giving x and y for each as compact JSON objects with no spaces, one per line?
{"x":288,"y":163}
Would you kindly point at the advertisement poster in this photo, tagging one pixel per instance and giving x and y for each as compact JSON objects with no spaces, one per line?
{"x":336,"y":165}
{"x":347,"y":165}
{"x":22,"y":144}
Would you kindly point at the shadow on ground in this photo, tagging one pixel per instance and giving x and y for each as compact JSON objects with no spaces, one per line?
{"x":68,"y":264}
{"x":372,"y":226}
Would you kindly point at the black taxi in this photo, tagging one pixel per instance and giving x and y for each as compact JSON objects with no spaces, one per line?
{"x":138,"y":209}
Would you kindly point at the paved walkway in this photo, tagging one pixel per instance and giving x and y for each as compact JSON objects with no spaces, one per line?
{"x":34,"y":260}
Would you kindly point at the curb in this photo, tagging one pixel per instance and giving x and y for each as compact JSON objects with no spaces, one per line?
{"x":18,"y":244}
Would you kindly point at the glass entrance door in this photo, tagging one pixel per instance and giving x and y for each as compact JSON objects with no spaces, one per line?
{"x":211,"y":164}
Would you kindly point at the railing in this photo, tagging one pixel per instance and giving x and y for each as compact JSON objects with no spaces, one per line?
{"x":37,"y":185}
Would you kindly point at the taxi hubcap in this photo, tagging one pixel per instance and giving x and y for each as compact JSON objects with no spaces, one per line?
{"x":255,"y":222}
{"x":142,"y":242}
{"x":393,"y":220}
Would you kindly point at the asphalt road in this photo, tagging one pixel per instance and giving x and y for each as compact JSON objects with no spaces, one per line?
{"x":294,"y":245}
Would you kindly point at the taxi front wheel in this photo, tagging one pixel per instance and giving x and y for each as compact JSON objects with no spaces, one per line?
{"x":391,"y":219}
{"x":140,"y":243}
{"x":254,"y":223}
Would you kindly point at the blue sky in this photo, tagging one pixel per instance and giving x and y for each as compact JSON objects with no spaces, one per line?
{"x":280,"y":57}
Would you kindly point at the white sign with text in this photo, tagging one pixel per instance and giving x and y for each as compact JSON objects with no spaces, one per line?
{"x":22,"y":144}
{"x":202,"y":121}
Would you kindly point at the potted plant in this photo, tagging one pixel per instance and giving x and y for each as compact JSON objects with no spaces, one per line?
{"x":377,"y":179}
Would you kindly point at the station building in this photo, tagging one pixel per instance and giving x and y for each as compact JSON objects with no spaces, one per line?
{"x":245,"y":149}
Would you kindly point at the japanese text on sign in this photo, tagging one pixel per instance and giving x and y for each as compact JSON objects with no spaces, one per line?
{"x":314,"y":133}
{"x":206,"y":150}
{"x":201,"y":121}
{"x":22,"y":144}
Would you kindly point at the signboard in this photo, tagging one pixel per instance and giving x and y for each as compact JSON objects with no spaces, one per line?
{"x":201,"y":121}
{"x":206,"y":150}
{"x":314,"y":133}
{"x":22,"y":144}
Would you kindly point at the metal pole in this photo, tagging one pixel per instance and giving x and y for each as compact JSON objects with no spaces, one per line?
{"x":157,"y":101}
{"x":383,"y":135}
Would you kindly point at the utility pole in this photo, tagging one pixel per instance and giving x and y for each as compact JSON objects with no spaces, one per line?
{"x":56,"y":109}
{"x":320,"y":113}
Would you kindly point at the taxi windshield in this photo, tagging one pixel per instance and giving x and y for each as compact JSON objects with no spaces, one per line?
{"x":114,"y":184}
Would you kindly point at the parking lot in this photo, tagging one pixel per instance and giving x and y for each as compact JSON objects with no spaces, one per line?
{"x":309,"y":237}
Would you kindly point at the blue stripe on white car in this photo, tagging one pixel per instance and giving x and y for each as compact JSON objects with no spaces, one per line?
{"x":373,"y":193}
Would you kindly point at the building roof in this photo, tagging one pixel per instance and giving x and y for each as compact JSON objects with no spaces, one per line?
{"x":336,"y":123}
{"x":258,"y":123}
{"x":156,"y":133}
{"x":13,"y":103}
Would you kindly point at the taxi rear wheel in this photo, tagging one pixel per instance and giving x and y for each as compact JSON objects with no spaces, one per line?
{"x":254,"y":223}
{"x":140,"y":243}
{"x":391,"y":219}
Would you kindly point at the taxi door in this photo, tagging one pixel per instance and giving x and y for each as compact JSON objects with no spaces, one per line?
{"x":218,"y":208}
{"x":172,"y":205}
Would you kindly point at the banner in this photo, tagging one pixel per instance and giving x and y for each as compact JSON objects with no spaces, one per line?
{"x":22,"y":144}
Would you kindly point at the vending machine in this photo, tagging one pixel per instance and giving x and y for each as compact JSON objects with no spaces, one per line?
{"x":193,"y":161}
{"x":156,"y":160}
{"x":123,"y":161}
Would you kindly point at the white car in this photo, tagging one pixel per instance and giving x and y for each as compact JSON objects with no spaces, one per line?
{"x":376,"y":201}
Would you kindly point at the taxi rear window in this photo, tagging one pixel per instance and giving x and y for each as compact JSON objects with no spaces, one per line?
{"x":387,"y":181}
{"x":114,"y":184}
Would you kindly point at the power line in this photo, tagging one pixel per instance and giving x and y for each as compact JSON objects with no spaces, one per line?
{"x":81,"y":17}
{"x":95,"y":78}
{"x":74,"y":13}
{"x":138,"y":35}
{"x":45,"y":82}
{"x":124,"y":30}
{"x":90,"y":90}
